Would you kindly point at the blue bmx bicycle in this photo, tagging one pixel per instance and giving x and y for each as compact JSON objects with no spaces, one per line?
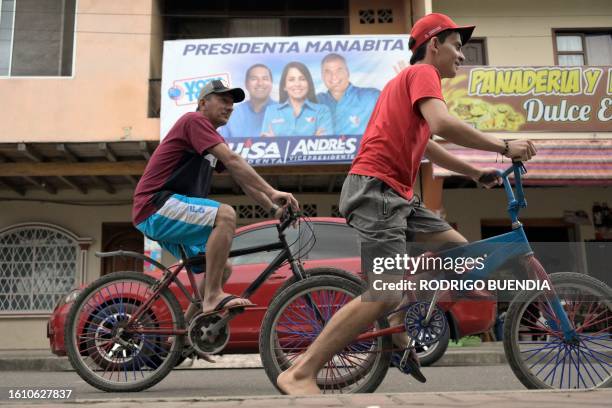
{"x":557,"y":336}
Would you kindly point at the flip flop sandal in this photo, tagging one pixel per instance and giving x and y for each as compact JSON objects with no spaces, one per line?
{"x":221,"y":306}
{"x":410,"y":367}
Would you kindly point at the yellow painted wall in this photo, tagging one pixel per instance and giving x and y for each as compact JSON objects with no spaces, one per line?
{"x":105,"y":99}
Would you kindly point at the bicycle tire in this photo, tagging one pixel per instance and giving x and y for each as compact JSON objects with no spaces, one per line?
{"x":523,"y":320}
{"x":151,"y":356}
{"x":339,"y":290}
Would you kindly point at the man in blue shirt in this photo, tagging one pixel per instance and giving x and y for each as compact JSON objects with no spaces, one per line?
{"x":350,"y":106}
{"x":247,"y":118}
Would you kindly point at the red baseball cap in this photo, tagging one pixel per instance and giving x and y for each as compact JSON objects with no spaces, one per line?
{"x":433,"y":24}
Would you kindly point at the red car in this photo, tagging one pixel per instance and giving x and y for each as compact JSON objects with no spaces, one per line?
{"x":336,"y":246}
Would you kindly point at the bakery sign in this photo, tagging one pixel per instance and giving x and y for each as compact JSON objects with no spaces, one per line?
{"x":538,"y":99}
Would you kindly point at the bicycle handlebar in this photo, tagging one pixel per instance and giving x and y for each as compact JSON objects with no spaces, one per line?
{"x":288,"y":217}
{"x":518,"y":202}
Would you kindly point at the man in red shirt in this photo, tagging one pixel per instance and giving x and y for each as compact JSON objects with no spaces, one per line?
{"x":377,"y":196}
{"x":170,"y":204}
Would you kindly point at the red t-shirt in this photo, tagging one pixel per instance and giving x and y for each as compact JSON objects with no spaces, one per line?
{"x":191,"y":133}
{"x":394,"y":142}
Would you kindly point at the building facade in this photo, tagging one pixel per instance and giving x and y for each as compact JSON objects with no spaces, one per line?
{"x":80,"y":85}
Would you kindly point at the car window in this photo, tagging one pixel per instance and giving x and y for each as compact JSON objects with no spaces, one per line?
{"x":260,"y":236}
{"x":334,"y":241}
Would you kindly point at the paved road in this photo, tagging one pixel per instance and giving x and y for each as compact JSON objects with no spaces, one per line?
{"x":231,"y":382}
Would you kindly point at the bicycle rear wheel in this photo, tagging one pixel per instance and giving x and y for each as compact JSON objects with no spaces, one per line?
{"x":535,"y":345}
{"x":297,"y":316}
{"x":111,"y":354}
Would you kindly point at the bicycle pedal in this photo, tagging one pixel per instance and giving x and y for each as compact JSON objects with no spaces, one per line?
{"x":407,"y":365}
{"x":189,"y":352}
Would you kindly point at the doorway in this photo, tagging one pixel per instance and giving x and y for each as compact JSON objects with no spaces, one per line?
{"x":116,"y":236}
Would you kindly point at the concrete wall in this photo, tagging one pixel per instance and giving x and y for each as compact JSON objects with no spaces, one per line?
{"x":520,"y":32}
{"x":106,"y":97}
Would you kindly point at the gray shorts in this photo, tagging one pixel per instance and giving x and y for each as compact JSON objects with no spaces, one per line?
{"x":378,"y":213}
{"x":386,"y":224}
{"x":385,"y":221}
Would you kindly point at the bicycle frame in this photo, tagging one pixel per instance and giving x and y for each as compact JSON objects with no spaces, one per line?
{"x":499,"y":249}
{"x":170,"y":276}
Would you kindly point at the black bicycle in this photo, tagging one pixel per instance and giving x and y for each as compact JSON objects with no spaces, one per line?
{"x":126,"y":331}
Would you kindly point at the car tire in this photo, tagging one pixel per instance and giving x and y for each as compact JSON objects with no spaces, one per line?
{"x":428,"y":355}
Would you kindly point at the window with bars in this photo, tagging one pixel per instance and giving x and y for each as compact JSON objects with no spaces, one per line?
{"x":583,"y":47}
{"x":475,"y":52}
{"x":38,"y":265}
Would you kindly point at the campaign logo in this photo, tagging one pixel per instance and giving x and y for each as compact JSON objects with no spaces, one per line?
{"x":175,"y":93}
{"x":186,"y":91}
{"x":260,"y":152}
{"x":329,"y":149}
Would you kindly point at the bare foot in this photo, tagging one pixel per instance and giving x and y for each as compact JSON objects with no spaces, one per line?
{"x":211,"y":303}
{"x":207,"y":358}
{"x":290,"y":385}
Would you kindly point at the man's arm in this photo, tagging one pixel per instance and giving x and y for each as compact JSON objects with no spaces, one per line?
{"x":443,"y":124}
{"x":440,"y":156}
{"x":488,"y":177}
{"x":251,"y":183}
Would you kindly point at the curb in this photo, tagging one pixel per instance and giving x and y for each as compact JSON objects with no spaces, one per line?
{"x":467,"y":356}
{"x":522,"y":398}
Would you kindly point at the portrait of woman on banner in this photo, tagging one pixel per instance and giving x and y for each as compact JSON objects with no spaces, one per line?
{"x":298,"y":112}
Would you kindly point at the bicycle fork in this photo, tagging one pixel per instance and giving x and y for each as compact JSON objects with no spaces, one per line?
{"x":536,"y":270}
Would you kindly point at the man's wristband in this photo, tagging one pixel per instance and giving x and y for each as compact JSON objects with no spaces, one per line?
{"x":273,"y":210}
{"x":506,"y":148}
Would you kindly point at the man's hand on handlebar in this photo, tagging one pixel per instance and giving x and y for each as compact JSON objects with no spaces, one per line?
{"x":489,"y":177}
{"x":521,"y":150}
{"x":285,"y":200}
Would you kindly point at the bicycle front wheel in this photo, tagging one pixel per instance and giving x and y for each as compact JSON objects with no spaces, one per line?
{"x":296,"y":317}
{"x":108,"y":351}
{"x":535,"y":345}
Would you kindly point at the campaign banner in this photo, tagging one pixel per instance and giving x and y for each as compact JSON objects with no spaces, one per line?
{"x":538,"y":99}
{"x":308,"y":99}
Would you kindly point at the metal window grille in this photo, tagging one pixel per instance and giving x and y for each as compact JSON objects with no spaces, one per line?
{"x":38,"y":265}
{"x":251,"y":212}
{"x":310,"y":210}
{"x":385,"y":16}
{"x":367,"y":17}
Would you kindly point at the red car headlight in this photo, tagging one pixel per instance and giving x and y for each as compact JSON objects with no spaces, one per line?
{"x":69,"y":298}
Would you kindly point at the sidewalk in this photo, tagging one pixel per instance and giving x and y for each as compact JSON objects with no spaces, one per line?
{"x":44,"y":360}
{"x":497,"y":399}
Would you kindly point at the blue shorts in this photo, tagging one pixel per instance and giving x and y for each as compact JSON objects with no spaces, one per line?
{"x":182,"y":220}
